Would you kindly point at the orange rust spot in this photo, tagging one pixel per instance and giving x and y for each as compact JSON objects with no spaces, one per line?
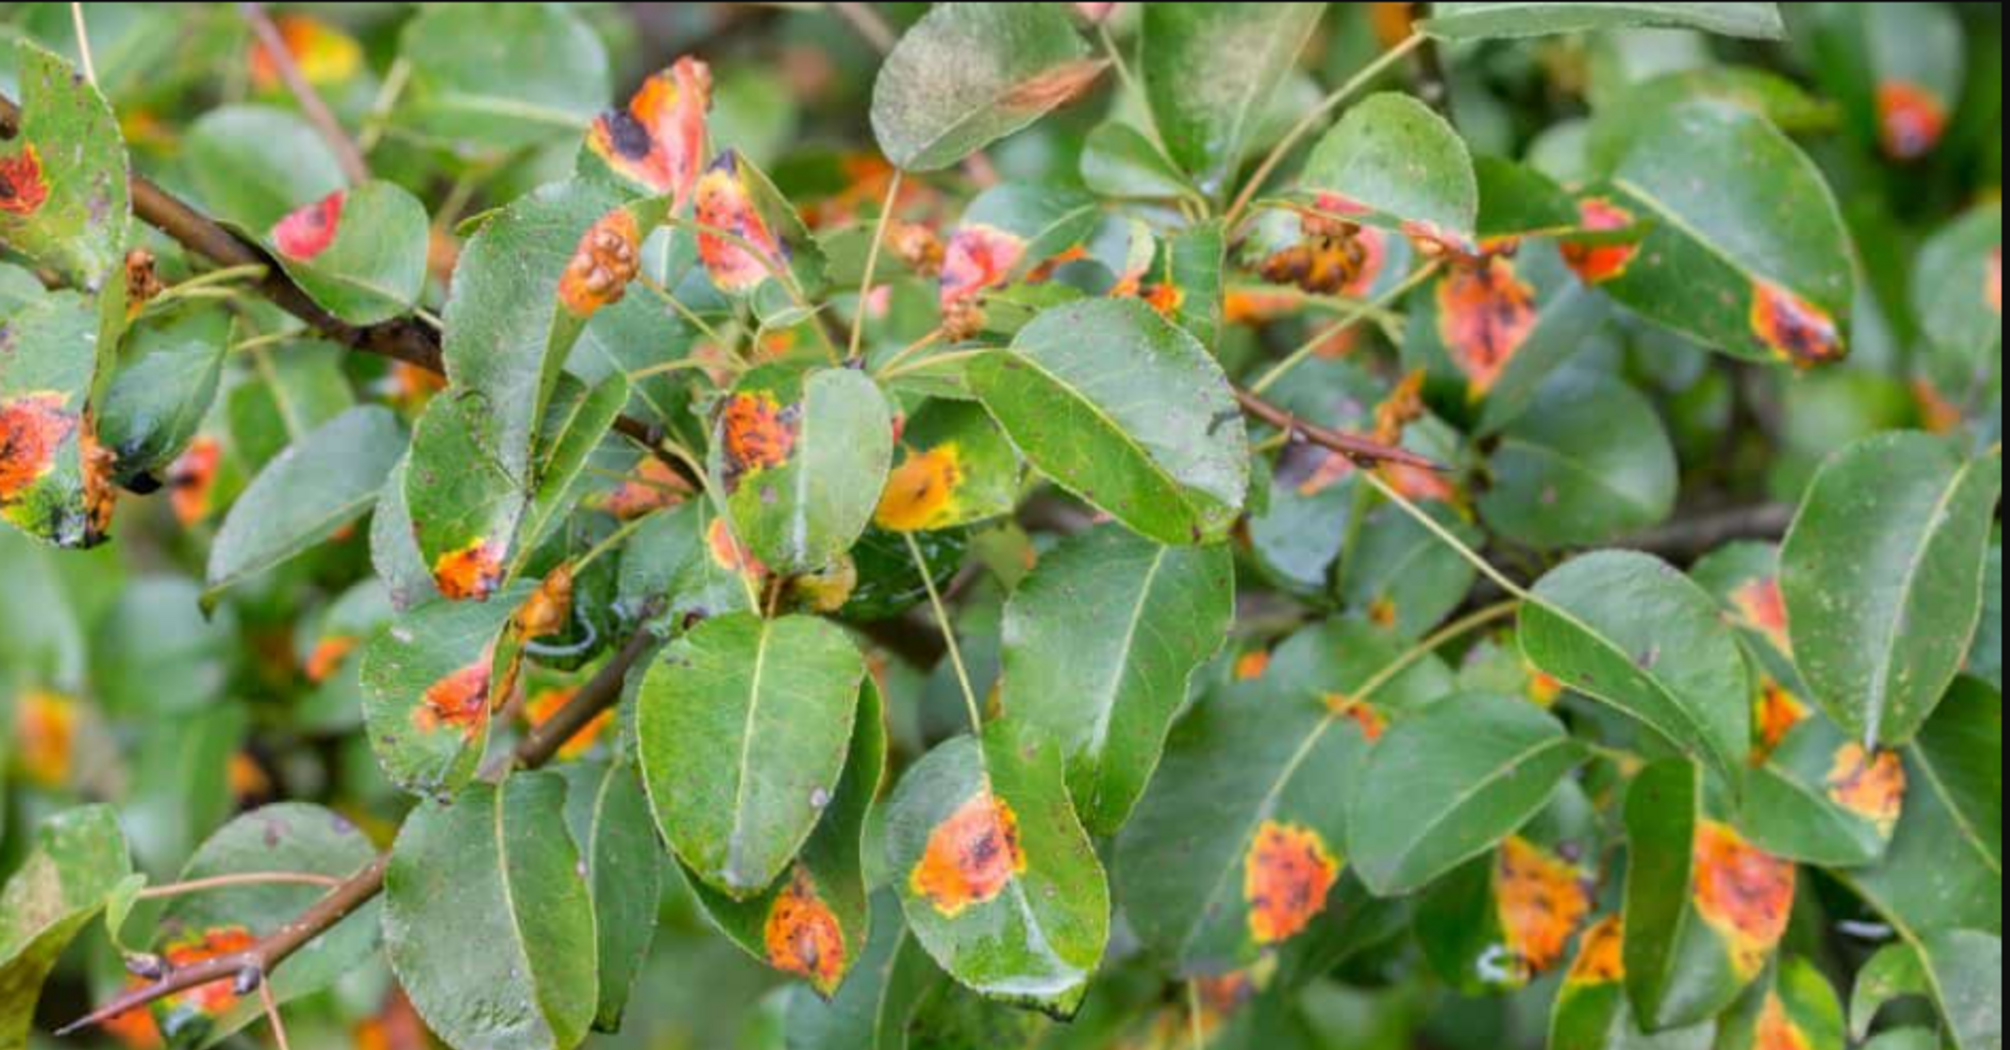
{"x":310,"y":229}
{"x":1485,"y":314}
{"x":1286,"y":879}
{"x":191,"y":479}
{"x":1743,"y":893}
{"x":759,"y":434}
{"x":1382,"y":612}
{"x":1777,"y":714}
{"x":248,"y":780}
{"x":738,"y":248}
{"x":143,"y":281}
{"x":548,"y":703}
{"x":1251,"y":665}
{"x":1798,"y":331}
{"x":729,"y":553}
{"x":32,"y":428}
{"x":1435,"y":242}
{"x":217,"y":996}
{"x":1872,"y":787}
{"x":45,"y":734}
{"x":473,"y":572}
{"x":659,"y":140}
{"x":917,"y":246}
{"x":101,"y":493}
{"x":1332,"y":203}
{"x":921,"y":493}
{"x":327,"y":657}
{"x":1598,"y":263}
{"x":1542,"y":900}
{"x":549,"y":611}
{"x":1910,"y":119}
{"x":1336,"y":257}
{"x":1777,"y":1031}
{"x":1992,"y":282}
{"x":1165,"y":297}
{"x":1403,"y":406}
{"x":1544,"y":689}
{"x":1241,"y":307}
{"x":1937,"y":414}
{"x":23,"y":187}
{"x":1420,"y":485}
{"x":654,"y":486}
{"x":1602,"y":957}
{"x":1763,"y":607}
{"x":978,"y":257}
{"x":605,"y":261}
{"x":971,"y":857}
{"x":322,"y":53}
{"x":460,"y":700}
{"x":1392,"y":22}
{"x":804,"y":937}
{"x":1054,"y":87}
{"x":135,"y":1029}
{"x":1372,"y":721}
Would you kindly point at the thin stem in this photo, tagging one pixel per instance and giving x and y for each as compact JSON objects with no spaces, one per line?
{"x":1353,"y":446}
{"x":83,"y":43}
{"x":248,"y":271}
{"x":871,"y":265}
{"x":1347,"y":320}
{"x":224,"y":882}
{"x":688,"y":314}
{"x":1311,"y":120}
{"x":890,"y":364}
{"x":271,"y":1004}
{"x":260,"y":342}
{"x":1486,"y":567}
{"x":613,"y":540}
{"x":380,"y":108}
{"x":1446,"y":635}
{"x":1189,"y":198}
{"x":347,"y":156}
{"x":948,"y":634}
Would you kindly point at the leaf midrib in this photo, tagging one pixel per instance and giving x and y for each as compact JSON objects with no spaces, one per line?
{"x":1694,"y":722}
{"x":1881,"y":686}
{"x":740,"y":817}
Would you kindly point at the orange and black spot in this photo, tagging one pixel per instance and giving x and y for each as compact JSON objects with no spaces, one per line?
{"x":1542,"y":900}
{"x":1910,"y":120}
{"x":191,"y":479}
{"x":1373,"y":723}
{"x":734,"y":240}
{"x":729,"y":553}
{"x":971,"y":857}
{"x":803,"y":936}
{"x":607,"y":258}
{"x":218,"y":996}
{"x":459,"y":701}
{"x":23,"y":186}
{"x":471,"y":573}
{"x":549,"y":611}
{"x":309,"y":230}
{"x":1287,"y":877}
{"x":921,"y":492}
{"x":1485,"y":313}
{"x":1599,"y":263}
{"x":1871,"y":786}
{"x":1743,"y":893}
{"x":759,"y":434}
{"x":1778,"y":713}
{"x":33,"y":428}
{"x":1796,"y":330}
{"x":659,"y":139}
{"x":1601,"y":959}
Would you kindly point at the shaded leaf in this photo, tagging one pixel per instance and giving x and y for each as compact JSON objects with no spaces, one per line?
{"x":1209,"y":73}
{"x":158,"y":399}
{"x":541,"y":74}
{"x":1393,"y":162}
{"x":1590,"y":463}
{"x":63,"y":194}
{"x":608,"y":815}
{"x":1464,"y":21}
{"x":77,"y":859}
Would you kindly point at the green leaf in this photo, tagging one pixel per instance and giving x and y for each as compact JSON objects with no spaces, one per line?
{"x":253,"y":165}
{"x":801,"y":460}
{"x":1472,"y":21}
{"x":953,"y":468}
{"x":431,"y":681}
{"x":78,"y":858}
{"x":394,"y":553}
{"x":287,"y":837}
{"x":1127,"y":411}
{"x":301,"y":389}
{"x":1629,"y":631}
{"x":1118,"y":160}
{"x":1747,"y":252}
{"x":158,"y":399}
{"x":608,"y":815}
{"x":1956,"y":286}
{"x":1795,"y":1006}
{"x":1392,"y":161}
{"x":996,"y":875}
{"x":1882,"y":573}
{"x":496,"y":869}
{"x":540,"y":75}
{"x":1450,"y":784}
{"x":1399,"y":573}
{"x":1100,"y":643}
{"x":64,"y":199}
{"x":814,"y":922}
{"x":324,"y":482}
{"x":1705,"y":910}
{"x":1589,"y":463}
{"x":580,"y":418}
{"x":1638,"y":110}
{"x":969,"y":74}
{"x":1592,"y":1012}
{"x":373,"y":267}
{"x":1820,"y":798}
{"x":46,"y":361}
{"x":1959,"y":971}
{"x":1237,"y":848}
{"x":1210,"y":71}
{"x":744,"y":725}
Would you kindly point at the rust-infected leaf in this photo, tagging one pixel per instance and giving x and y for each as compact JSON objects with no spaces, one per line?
{"x":23,"y":185}
{"x":971,"y":858}
{"x":1485,"y":313}
{"x":1287,"y":878}
{"x":759,"y":433}
{"x":1871,"y":786}
{"x":921,"y":492}
{"x":1745,"y":894}
{"x":459,"y":701}
{"x":977,"y":257}
{"x":1542,"y":900}
{"x":1776,"y":713}
{"x":215,"y":998}
{"x":192,"y":478}
{"x":470,"y":573}
{"x":1054,"y":87}
{"x":1601,"y":959}
{"x":1598,"y":263}
{"x":607,"y":259}
{"x":734,"y":240}
{"x":308,"y":231}
{"x":33,"y":428}
{"x":1764,"y":609}
{"x":804,"y":937}
{"x":1798,"y":331}
{"x":659,"y":140}
{"x":1910,"y":119}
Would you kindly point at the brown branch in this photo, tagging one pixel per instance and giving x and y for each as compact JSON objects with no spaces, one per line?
{"x":318,"y":114}
{"x":249,"y":968}
{"x":1353,"y":446}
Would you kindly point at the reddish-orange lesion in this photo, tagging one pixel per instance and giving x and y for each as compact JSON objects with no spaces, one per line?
{"x":1872,"y":786}
{"x":921,"y":492}
{"x":546,"y":705}
{"x":606,"y":259}
{"x":1599,"y":263}
{"x":735,"y":242}
{"x":1287,"y":877}
{"x":1601,"y":959}
{"x":548,"y":611}
{"x":471,"y":573}
{"x":202,"y":946}
{"x":978,"y":258}
{"x":1542,"y":901}
{"x":804,"y":937}
{"x":24,"y":187}
{"x":1762,"y":606}
{"x":1334,"y":255}
{"x":1544,"y":689}
{"x":135,"y":1029}
{"x":1433,"y":241}
{"x":653,"y":486}
{"x":1743,"y":893}
{"x":1992,"y":282}
{"x":460,"y":701}
{"x":759,"y":433}
{"x":192,"y":479}
{"x":1797,"y":331}
{"x":1165,"y":297}
{"x":101,"y":492}
{"x":309,"y":230}
{"x":1372,"y":722}
{"x":1252,"y":665}
{"x":729,"y":553}
{"x":45,"y":737}
{"x":1910,"y":119}
{"x":327,"y":656}
{"x":1777,"y":714}
{"x":1485,"y":313}
{"x":33,"y":428}
{"x":322,"y":53}
{"x":971,"y":858}
{"x":1777,"y":1030}
{"x":659,"y":139}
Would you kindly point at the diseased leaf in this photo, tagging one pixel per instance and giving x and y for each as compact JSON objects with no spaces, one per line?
{"x":77,"y":860}
{"x":969,"y":74}
{"x":1210,"y":71}
{"x":64,"y":201}
{"x":1794,"y":1006}
{"x":1100,"y":642}
{"x":1126,"y":411}
{"x":165,"y":387}
{"x":359,"y":253}
{"x":1592,"y":1011}
{"x":254,"y":165}
{"x":952,"y":468}
{"x":498,"y":868}
{"x":1393,"y":162}
{"x":1882,"y":574}
{"x":744,"y":725}
{"x":54,"y":477}
{"x":1466,"y":21}
{"x":873,"y":1008}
